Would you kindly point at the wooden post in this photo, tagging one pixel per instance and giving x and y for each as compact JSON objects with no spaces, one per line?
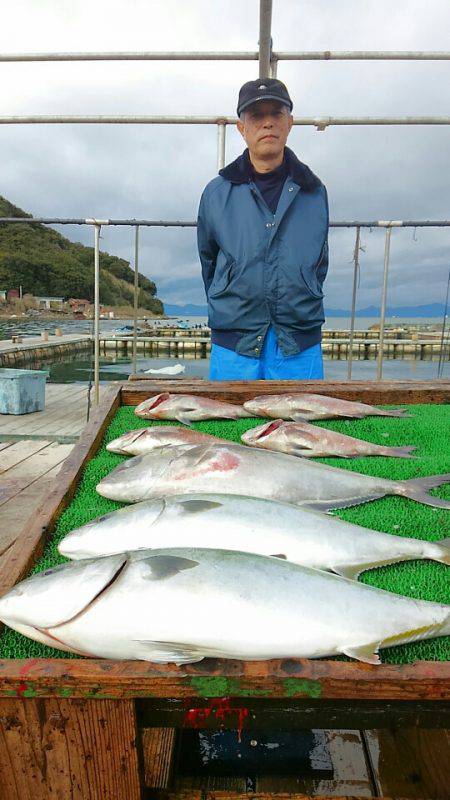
{"x":58,"y":748}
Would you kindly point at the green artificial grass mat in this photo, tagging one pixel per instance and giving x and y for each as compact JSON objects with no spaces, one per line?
{"x":428,"y":428}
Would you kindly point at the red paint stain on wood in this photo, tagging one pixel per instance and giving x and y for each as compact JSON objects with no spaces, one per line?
{"x":27,"y":667}
{"x":221,"y":709}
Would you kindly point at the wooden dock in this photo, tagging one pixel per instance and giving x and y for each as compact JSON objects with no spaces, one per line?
{"x":32,"y":449}
{"x":36,"y":348}
{"x":196,"y":343}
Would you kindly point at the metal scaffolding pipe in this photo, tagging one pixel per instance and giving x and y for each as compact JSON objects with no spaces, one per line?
{"x":321,"y":123}
{"x":221,"y":131}
{"x":363,"y":55}
{"x":166,"y":223}
{"x":304,"y":55}
{"x":265,"y":40}
{"x":387,"y":247}
{"x":353,"y":312}
{"x":97,"y":229}
{"x":136,"y":295}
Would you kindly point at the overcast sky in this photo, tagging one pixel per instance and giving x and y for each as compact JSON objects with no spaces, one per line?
{"x":159,"y":171}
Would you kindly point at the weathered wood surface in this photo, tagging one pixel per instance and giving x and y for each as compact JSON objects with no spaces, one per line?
{"x":29,"y":546}
{"x":27,"y":473}
{"x":201,"y":794}
{"x":158,"y":747}
{"x":371,"y":392}
{"x":68,"y":749}
{"x":288,"y":678}
{"x":293,"y":714}
{"x":64,"y":415}
{"x":414,"y":763}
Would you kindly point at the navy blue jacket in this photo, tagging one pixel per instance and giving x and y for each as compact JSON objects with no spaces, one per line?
{"x":259,"y":268}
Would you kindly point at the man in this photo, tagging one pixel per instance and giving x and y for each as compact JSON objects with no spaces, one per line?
{"x":263,"y":245}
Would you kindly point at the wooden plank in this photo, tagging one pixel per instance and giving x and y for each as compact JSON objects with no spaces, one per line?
{"x":15,"y":513}
{"x":19,"y":452}
{"x":217,"y":794}
{"x":4,"y":445}
{"x":255,"y":685}
{"x":28,"y":471}
{"x":56,"y":406}
{"x":30,"y":544}
{"x":158,"y":746}
{"x":377,"y":392}
{"x":414,"y":763}
{"x":56,"y":418}
{"x":275,"y":713}
{"x":68,"y":749}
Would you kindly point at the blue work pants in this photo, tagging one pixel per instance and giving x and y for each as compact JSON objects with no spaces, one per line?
{"x":226,"y":365}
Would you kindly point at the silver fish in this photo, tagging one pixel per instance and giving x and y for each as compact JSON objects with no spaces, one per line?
{"x":308,"y":441}
{"x":232,"y":469}
{"x":182,"y":605}
{"x":249,"y":524}
{"x":145,"y":440}
{"x":314,"y":406}
{"x":188,"y":408}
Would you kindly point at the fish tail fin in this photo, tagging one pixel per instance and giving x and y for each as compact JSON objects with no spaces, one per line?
{"x":418,"y":489}
{"x":401,"y":452}
{"x":444,"y":546}
{"x":393,"y":412}
{"x":445,"y":628}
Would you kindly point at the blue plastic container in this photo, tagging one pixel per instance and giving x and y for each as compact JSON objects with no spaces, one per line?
{"x":22,"y":391}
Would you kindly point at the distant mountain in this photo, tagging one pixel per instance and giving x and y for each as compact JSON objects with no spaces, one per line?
{"x":44,"y":262}
{"x":431,"y":310}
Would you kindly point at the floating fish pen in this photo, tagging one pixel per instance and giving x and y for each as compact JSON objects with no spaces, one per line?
{"x":167,"y":346}
{"x":84,"y":727}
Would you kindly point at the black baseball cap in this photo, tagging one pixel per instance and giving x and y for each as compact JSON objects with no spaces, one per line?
{"x":263,"y":89}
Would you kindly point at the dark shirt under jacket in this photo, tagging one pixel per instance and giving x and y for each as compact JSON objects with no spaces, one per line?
{"x":270,"y":184}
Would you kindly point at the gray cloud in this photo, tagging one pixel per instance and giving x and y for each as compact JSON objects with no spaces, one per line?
{"x":160,"y":171}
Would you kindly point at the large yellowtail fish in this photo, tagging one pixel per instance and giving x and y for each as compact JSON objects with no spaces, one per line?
{"x":183,"y":605}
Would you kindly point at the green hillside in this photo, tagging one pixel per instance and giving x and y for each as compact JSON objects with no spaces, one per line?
{"x":45,"y":263}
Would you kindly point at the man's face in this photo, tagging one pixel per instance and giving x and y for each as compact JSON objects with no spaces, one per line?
{"x":265,"y":126}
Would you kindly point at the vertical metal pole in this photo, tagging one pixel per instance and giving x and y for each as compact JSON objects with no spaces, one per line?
{"x":444,"y":322}
{"x":136,"y":296}
{"x":355,"y":286}
{"x":273,"y":67}
{"x":265,"y":41}
{"x":387,"y":246}
{"x":221,"y":131}
{"x":97,"y":229}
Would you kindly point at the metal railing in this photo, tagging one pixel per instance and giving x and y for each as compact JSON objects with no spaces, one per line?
{"x":268,"y":60}
{"x":97,"y":224}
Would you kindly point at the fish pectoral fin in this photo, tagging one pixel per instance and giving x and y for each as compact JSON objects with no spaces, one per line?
{"x":184,"y":419}
{"x":350,"y":571}
{"x":196,"y":505}
{"x":367,"y":653}
{"x":166,"y":652}
{"x":302,"y":452}
{"x":299,"y":417}
{"x":161,"y":567}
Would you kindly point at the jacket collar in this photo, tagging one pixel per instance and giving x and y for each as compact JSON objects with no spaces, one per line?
{"x":240,"y":171}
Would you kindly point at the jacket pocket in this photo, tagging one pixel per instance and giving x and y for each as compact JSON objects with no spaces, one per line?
{"x":221,"y":280}
{"x":314,"y":276}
